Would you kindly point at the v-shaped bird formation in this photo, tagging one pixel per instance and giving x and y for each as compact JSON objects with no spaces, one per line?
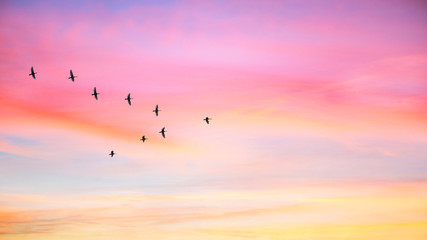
{"x":128,"y":99}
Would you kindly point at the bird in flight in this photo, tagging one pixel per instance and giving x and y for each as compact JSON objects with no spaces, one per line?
{"x":128,"y":99}
{"x":143,"y":138}
{"x":72,"y":76}
{"x":112,"y":153}
{"x":163,"y":132}
{"x":156,"y":110}
{"x":32,"y":73}
{"x":207,"y":119}
{"x":95,"y":93}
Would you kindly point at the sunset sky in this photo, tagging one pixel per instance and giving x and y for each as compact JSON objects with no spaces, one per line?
{"x":318,"y":130}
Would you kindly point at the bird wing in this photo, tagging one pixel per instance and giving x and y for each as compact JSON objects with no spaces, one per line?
{"x":32,"y":73}
{"x":95,"y":94}
{"x":128,"y":98}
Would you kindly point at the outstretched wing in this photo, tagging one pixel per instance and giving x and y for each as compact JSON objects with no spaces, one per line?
{"x":163,"y":132}
{"x":32,"y":73}
{"x":95,"y":93}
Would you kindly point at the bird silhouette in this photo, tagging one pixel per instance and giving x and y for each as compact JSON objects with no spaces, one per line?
{"x":163,"y":132}
{"x":207,"y":119}
{"x":95,"y":93}
{"x":72,"y":76}
{"x":128,"y":99}
{"x":143,"y":138}
{"x":157,"y":110}
{"x":112,"y":153}
{"x":32,"y":73}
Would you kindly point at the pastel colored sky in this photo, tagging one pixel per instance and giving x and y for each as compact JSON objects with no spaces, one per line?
{"x":318,"y":131}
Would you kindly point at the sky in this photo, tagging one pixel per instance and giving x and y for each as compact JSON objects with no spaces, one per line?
{"x":318,"y":130}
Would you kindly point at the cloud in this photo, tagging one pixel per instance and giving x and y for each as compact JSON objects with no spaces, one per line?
{"x":362,"y":208}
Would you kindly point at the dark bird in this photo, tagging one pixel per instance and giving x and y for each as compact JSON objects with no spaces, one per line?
{"x":112,"y":153}
{"x":156,"y":110}
{"x":128,"y":99}
{"x":207,"y":119}
{"x":163,"y":132}
{"x":143,"y":138}
{"x":72,"y":76}
{"x":32,"y":73}
{"x":95,"y":93}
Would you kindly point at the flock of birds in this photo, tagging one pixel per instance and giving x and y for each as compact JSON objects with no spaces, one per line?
{"x":128,"y":99}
